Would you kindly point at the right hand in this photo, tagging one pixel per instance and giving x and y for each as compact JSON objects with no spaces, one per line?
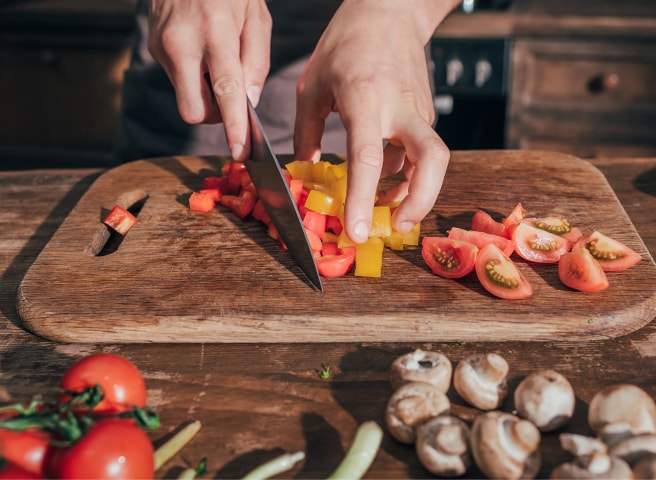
{"x":215,"y":52}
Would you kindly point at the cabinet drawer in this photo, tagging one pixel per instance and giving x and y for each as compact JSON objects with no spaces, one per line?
{"x":592,"y":74}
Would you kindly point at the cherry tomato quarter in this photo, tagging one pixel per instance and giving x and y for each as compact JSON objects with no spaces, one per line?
{"x":537,"y":245}
{"x":483,"y":222}
{"x":120,"y":380}
{"x":480,"y":239}
{"x":579,"y":270}
{"x":447,"y":257}
{"x":612,"y":255}
{"x":500,"y":276}
{"x":112,"y":448}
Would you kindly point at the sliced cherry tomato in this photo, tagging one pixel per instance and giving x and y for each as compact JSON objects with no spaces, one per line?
{"x":500,"y":276}
{"x":536,"y":245}
{"x":483,"y":222}
{"x":26,"y":449}
{"x":480,"y":239}
{"x":338,"y":265}
{"x":447,"y":257}
{"x":612,"y":255}
{"x":579,"y":270}
{"x":120,"y":380}
{"x":574,"y":235}
{"x":113,"y":448}
{"x":517,"y":215}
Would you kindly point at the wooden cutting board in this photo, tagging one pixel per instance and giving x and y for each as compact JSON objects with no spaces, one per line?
{"x":183,"y":276}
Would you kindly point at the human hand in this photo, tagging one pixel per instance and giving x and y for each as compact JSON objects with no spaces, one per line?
{"x":370,"y":67}
{"x":215,"y":52}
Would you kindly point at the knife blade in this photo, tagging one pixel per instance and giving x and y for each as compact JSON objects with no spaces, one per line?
{"x":272,"y":188}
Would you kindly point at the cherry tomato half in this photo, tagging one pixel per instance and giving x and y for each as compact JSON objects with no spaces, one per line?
{"x":579,"y":270}
{"x":500,"y":276}
{"x":112,"y":448}
{"x":480,"y":239}
{"x":611,"y":254}
{"x":448,"y":257}
{"x":483,"y":222}
{"x":119,"y":379}
{"x":537,"y":245}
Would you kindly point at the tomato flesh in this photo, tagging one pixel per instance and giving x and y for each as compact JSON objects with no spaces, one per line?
{"x":332,"y":265}
{"x":537,"y":245}
{"x":579,"y":270}
{"x":483,"y":222}
{"x":447,"y":257}
{"x":500,"y":276}
{"x":612,"y":255}
{"x":480,"y":239}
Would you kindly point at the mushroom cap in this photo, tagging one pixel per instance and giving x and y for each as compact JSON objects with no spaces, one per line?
{"x":411,"y":405}
{"x":604,"y":467}
{"x":482,"y":380}
{"x":442,"y":446}
{"x":546,"y":398}
{"x":422,"y":366}
{"x":645,"y":467}
{"x":505,"y":446}
{"x":623,"y":403}
{"x":632,"y":448}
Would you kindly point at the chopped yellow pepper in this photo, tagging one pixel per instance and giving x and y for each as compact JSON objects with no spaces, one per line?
{"x":369,"y":258}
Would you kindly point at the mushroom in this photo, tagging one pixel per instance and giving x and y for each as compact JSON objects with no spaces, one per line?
{"x":631,"y":449}
{"x":624,"y":403}
{"x":422,"y":366}
{"x":591,"y":460}
{"x":481,"y":380}
{"x":505,"y":446}
{"x":546,"y":398}
{"x":442,"y":446}
{"x":645,"y":467}
{"x":412,"y":404}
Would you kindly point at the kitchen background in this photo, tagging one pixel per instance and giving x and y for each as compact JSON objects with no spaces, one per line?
{"x":572,"y":76}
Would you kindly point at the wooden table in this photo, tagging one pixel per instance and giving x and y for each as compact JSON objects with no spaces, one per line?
{"x":259,"y":400}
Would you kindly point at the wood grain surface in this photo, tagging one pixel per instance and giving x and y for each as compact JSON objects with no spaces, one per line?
{"x":183,"y":276}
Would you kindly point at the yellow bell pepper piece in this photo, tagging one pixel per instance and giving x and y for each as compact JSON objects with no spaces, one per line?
{"x":369,"y":258}
{"x":338,"y":189}
{"x":300,"y":170}
{"x":394,"y":241}
{"x":381,"y":222}
{"x":321,"y":202}
{"x":411,"y":237}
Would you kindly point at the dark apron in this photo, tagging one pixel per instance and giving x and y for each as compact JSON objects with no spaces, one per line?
{"x":150,"y":126}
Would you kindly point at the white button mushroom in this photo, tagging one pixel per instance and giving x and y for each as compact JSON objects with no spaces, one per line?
{"x":645,"y":468}
{"x":412,"y":404}
{"x":505,"y":446}
{"x":442,"y":446}
{"x":623,"y":404}
{"x":422,"y":366}
{"x":591,"y":460}
{"x":633,"y":448}
{"x":546,"y":398}
{"x":481,"y":380}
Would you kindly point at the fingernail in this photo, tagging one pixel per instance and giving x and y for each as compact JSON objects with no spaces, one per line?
{"x":253,"y":93}
{"x":237,"y":150}
{"x":405,"y":227}
{"x":360,"y":231}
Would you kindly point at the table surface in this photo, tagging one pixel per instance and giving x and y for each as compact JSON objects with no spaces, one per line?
{"x":256,"y":401}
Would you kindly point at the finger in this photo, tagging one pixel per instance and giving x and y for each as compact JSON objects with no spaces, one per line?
{"x":430,"y":156}
{"x":229,"y":90}
{"x":310,"y":121}
{"x":393,"y":159}
{"x":256,"y":52}
{"x":365,"y":160}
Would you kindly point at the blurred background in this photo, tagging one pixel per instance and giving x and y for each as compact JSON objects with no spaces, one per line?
{"x":571,"y":76}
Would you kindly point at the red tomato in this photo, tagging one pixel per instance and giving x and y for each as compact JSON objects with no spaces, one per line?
{"x":579,"y":270}
{"x":480,"y":239}
{"x":447,"y":257}
{"x":119,"y":379}
{"x":483,"y":222}
{"x":112,"y":448}
{"x":26,"y":449}
{"x":500,"y":276}
{"x":536,"y":245}
{"x":611,"y":254}
{"x":14,"y":472}
{"x":331,"y":266}
{"x":517,"y":215}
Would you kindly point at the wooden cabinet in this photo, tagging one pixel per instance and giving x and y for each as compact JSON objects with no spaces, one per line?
{"x":589,"y":97}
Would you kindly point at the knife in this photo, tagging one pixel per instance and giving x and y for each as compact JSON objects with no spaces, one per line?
{"x":272,"y":188}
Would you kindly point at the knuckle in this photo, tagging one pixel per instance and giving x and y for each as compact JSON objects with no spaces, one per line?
{"x":226,"y":86}
{"x":369,"y":155}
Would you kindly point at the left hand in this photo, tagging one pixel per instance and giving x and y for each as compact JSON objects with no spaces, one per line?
{"x":370,"y":67}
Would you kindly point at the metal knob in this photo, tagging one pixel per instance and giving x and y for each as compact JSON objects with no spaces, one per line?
{"x":454,"y":70}
{"x":483,"y":72}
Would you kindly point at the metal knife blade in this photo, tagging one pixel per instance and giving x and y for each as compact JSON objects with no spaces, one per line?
{"x":273,"y":190}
